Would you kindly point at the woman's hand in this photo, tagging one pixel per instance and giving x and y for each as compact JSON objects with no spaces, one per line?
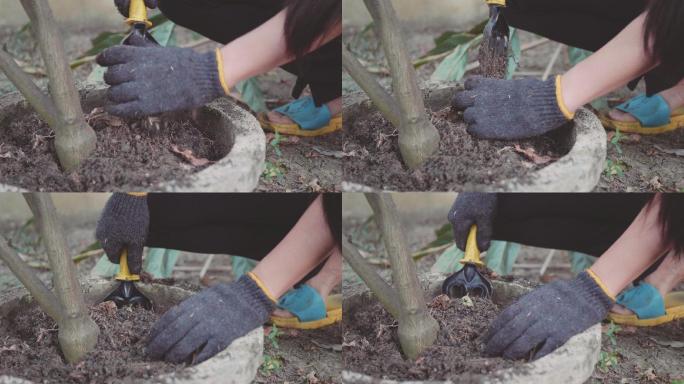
{"x":209,"y":322}
{"x":473,"y":208}
{"x":547,"y":317}
{"x":511,"y":109}
{"x":124,"y":225}
{"x":152,"y":80}
{"x":124,"y":5}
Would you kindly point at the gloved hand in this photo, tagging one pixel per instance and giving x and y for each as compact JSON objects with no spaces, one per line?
{"x":151,"y":80}
{"x":511,"y":109}
{"x":124,"y":5}
{"x":123,"y":225}
{"x":473,"y":208}
{"x":547,"y":317}
{"x":209,"y":321}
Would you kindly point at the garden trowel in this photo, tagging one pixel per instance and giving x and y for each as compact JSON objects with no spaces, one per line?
{"x":468,"y":281}
{"x":127,"y":293}
{"x":137,"y":19}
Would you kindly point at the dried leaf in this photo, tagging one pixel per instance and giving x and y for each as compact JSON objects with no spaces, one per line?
{"x":655,"y":183}
{"x":533,"y":156}
{"x":7,"y":155}
{"x":331,"y":153}
{"x":186,"y":154}
{"x":311,"y":378}
{"x":676,"y":152}
{"x":315,"y":187}
{"x":668,"y":343}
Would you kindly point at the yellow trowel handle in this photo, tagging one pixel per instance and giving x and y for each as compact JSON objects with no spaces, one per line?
{"x":472,"y":253}
{"x":124,"y":274}
{"x":137,"y":13}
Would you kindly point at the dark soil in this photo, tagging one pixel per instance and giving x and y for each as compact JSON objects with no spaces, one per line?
{"x":491,"y":64}
{"x":462,"y":162}
{"x":129,"y":155}
{"x":29,"y":348}
{"x":371,"y":344}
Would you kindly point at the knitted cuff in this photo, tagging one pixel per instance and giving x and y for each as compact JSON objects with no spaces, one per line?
{"x":127,"y":204}
{"x":561,"y":102}
{"x":254,"y":292}
{"x":593,"y":288}
{"x":207,"y":76}
{"x":545,"y":100}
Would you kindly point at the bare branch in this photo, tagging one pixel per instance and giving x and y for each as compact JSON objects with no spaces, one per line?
{"x":38,"y":100}
{"x":45,"y":298}
{"x":383,"y":291}
{"x":382,"y":100}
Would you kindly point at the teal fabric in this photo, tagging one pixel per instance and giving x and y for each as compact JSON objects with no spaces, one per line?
{"x":159,"y":263}
{"x":499,"y":258}
{"x":644,"y":300}
{"x":306,"y":114}
{"x":241,"y":265}
{"x":305,"y":303}
{"x":580,"y":261}
{"x":650,"y":111}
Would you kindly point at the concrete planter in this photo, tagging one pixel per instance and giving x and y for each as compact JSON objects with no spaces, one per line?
{"x":236,"y":133}
{"x":578,"y":171}
{"x":573,"y":363}
{"x":236,"y":364}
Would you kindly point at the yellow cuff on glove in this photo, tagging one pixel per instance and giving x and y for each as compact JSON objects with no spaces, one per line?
{"x":137,"y":194}
{"x":222,"y":78}
{"x":261,"y":285}
{"x":598,"y":282}
{"x":561,"y":103}
{"x":500,"y":3}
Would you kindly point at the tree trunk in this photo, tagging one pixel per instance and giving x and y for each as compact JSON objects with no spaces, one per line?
{"x":77,"y":331}
{"x":418,"y":138}
{"x":75,"y":140}
{"x":417,"y":329}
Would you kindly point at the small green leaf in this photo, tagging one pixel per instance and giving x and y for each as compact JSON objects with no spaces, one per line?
{"x":448,"y":41}
{"x":453,"y":67}
{"x":514,"y":56}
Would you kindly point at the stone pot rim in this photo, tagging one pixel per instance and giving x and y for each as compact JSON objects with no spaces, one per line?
{"x":577,"y":171}
{"x":244,"y":353}
{"x":238,"y":171}
{"x":544,"y":370}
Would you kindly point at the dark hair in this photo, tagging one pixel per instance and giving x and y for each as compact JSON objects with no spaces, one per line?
{"x":307,"y":21}
{"x":671,"y":218}
{"x":332,"y":206}
{"x":664,"y":34}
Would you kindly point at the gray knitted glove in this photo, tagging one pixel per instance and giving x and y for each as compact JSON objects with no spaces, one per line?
{"x":509,"y":109}
{"x":151,"y":80}
{"x":123,"y":225}
{"x":473,"y":208}
{"x":124,"y":5}
{"x":546,"y":318}
{"x":208,"y":322}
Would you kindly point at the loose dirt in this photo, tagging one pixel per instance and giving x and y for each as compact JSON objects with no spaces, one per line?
{"x":29,"y":348}
{"x":371,"y":344}
{"x":642,"y":355}
{"x":648,"y":163}
{"x":462,"y":161}
{"x":129,"y":154}
{"x":302,"y":356}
